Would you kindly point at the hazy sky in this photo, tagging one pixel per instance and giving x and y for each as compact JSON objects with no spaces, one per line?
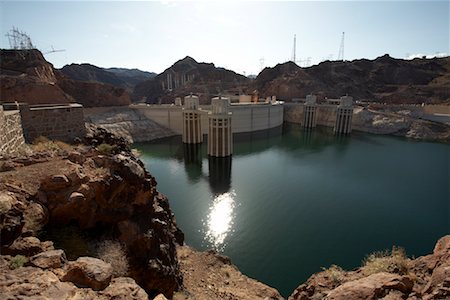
{"x":153,"y":35}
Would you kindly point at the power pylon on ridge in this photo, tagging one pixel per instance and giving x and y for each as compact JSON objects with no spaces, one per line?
{"x":341,"y":48}
{"x":19,"y":40}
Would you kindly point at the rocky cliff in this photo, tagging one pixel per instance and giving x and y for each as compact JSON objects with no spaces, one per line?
{"x":185,"y":76}
{"x":384,"y":79}
{"x":104,"y":192}
{"x":27,"y":77}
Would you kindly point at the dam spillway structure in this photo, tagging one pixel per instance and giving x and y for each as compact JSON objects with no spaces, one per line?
{"x":220,"y":137}
{"x":344,"y":115}
{"x":310,"y":112}
{"x":192,"y":131}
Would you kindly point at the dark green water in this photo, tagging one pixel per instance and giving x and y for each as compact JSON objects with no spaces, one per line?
{"x":290,"y":202}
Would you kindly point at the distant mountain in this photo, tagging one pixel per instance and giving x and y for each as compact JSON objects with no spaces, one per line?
{"x":186,"y":76}
{"x":91,"y":73}
{"x":118,"y":77}
{"x":134,"y":73}
{"x":383,"y":79}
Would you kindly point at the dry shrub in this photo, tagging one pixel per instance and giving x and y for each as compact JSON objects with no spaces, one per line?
{"x":114,"y":253}
{"x":334,"y":273}
{"x":42,"y":143}
{"x":105,"y":149}
{"x":394,"y":261}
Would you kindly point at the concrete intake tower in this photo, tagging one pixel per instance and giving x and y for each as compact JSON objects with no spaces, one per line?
{"x":192,"y":131}
{"x":220,"y":137}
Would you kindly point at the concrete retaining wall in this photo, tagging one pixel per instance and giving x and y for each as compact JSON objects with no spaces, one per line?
{"x":58,"y":122}
{"x":11,"y":134}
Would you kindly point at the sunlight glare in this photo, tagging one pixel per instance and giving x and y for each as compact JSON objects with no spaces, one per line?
{"x":220,"y":219}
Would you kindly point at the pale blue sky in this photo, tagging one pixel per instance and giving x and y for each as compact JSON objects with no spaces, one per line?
{"x":153,"y":35}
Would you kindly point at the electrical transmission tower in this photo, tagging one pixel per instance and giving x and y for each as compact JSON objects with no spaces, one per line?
{"x":19,"y":40}
{"x":341,"y":48}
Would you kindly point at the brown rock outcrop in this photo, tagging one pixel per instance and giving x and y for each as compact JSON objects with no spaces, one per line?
{"x":124,"y":288}
{"x":372,"y":287}
{"x":89,"y":272}
{"x":108,"y":194}
{"x":209,"y":275}
{"x":50,"y":259}
{"x":426,"y":277}
{"x":52,"y":277}
{"x":27,"y":77}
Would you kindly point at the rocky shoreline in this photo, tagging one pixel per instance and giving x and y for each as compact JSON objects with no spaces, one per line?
{"x":390,"y":123}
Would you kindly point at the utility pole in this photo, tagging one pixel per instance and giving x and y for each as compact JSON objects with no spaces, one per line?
{"x":341,"y":48}
{"x":294,"y":50}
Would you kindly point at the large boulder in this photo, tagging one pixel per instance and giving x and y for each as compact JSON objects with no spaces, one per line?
{"x":34,"y":283}
{"x":89,"y":272}
{"x":11,"y":218}
{"x":27,"y":246}
{"x":124,"y":288}
{"x":49,"y":259}
{"x":374,"y":286}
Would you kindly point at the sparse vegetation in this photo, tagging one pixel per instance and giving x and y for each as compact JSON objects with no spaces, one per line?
{"x":394,"y":261}
{"x":114,"y":253}
{"x":335,"y":273}
{"x":42,"y":143}
{"x":18,"y":261}
{"x":105,"y":149}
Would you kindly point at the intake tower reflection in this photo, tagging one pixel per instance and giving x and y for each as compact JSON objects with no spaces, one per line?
{"x":193,"y":161}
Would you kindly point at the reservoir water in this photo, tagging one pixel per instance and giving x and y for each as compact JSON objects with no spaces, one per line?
{"x":290,"y":201}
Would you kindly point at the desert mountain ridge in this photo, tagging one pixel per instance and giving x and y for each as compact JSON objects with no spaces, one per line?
{"x":384,"y":79}
{"x":28,"y":77}
{"x":185,"y":76}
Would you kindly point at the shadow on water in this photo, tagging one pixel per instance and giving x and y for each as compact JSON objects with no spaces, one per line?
{"x":219,"y":174}
{"x":193,"y":161}
{"x":314,"y":140}
{"x":257,"y":141}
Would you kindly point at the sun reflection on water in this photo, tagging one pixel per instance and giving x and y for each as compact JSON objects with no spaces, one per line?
{"x":220,"y":219}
